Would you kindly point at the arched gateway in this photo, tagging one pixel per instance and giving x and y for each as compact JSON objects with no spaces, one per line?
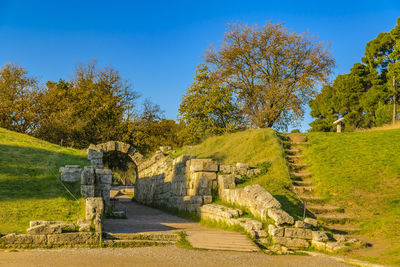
{"x":95,"y":153}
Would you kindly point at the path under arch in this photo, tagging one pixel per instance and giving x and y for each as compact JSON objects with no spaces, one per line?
{"x":149,"y":221}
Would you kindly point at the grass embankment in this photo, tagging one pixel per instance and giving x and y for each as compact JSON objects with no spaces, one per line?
{"x":261,"y":146}
{"x":361,"y":172}
{"x":29,"y":189}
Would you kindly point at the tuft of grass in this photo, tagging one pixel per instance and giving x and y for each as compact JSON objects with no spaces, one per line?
{"x":183,"y":242}
{"x":257,"y":147}
{"x":360,"y":171}
{"x":29,"y":188}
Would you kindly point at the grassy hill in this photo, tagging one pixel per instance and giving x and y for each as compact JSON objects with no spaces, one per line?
{"x":261,"y":146}
{"x":29,"y":188}
{"x":361,"y":172}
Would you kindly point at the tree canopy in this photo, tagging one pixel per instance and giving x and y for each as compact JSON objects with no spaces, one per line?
{"x":273,"y":72}
{"x":364,"y":96}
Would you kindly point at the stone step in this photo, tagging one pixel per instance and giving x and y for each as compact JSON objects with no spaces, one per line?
{"x":319,"y":209}
{"x":311,"y":198}
{"x":343,"y":228}
{"x":302,"y":182}
{"x":303,"y":189}
{"x":335,"y":218}
{"x":292,"y":151}
{"x":220,"y":241}
{"x":298,"y":143}
{"x":136,"y":243}
{"x":297,"y":156}
{"x":298,"y":166}
{"x":301,"y":174}
{"x":156,"y":236}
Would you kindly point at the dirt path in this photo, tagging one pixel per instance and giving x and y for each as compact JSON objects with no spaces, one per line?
{"x":143,"y":219}
{"x":155,"y":256}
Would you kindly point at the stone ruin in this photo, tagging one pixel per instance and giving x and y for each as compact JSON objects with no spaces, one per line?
{"x":95,"y":180}
{"x":189,"y":184}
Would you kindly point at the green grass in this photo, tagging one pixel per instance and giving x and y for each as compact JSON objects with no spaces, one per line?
{"x":256,"y":146}
{"x":29,"y":189}
{"x":360,"y":171}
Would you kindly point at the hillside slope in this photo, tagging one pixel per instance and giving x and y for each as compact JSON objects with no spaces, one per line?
{"x":29,"y":188}
{"x":360,"y":171}
{"x":256,"y":146}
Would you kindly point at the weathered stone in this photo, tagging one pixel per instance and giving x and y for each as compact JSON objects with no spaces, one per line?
{"x":13,"y":240}
{"x":203,"y":165}
{"x":65,"y":226}
{"x":276,"y":231}
{"x":94,"y":208}
{"x":301,"y":224}
{"x":87,"y":191}
{"x":339,"y":237}
{"x":318,"y":245}
{"x":225,"y":169}
{"x":334,"y":246}
{"x":44,"y":229}
{"x":242,"y":165}
{"x":93,"y":154}
{"x":319,"y":236}
{"x":298,"y":233}
{"x":83,"y":225}
{"x":80,"y":238}
{"x":97,"y":163}
{"x":70,"y":173}
{"x":165,"y":148}
{"x":294,"y":243}
{"x":311,"y":221}
{"x":183,"y":159}
{"x":250,"y":224}
{"x":207,"y":199}
{"x":87,"y":175}
{"x":280,"y":216}
{"x":201,"y":183}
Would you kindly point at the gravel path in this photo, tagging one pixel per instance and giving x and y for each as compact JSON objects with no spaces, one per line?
{"x":154,"y":256}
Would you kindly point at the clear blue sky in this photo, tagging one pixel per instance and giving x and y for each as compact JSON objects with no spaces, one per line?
{"x":156,"y":45}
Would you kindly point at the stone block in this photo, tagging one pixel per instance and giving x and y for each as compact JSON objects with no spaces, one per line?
{"x":225,"y":169}
{"x":97,"y":163}
{"x":201,"y":183}
{"x":68,"y":239}
{"x":280,"y":216}
{"x":334,"y":246}
{"x":319,"y":236}
{"x":87,"y":175}
{"x":44,"y":229}
{"x":226,"y":181}
{"x":70,"y":173}
{"x":83,"y":225}
{"x":165,"y":148}
{"x":207,"y":199}
{"x":93,"y":154}
{"x":203,"y":165}
{"x":301,"y":224}
{"x":87,"y":191}
{"x":65,"y":226}
{"x":318,"y":245}
{"x":294,"y":243}
{"x":276,"y":231}
{"x":311,"y":221}
{"x":196,"y":200}
{"x":298,"y":233}
{"x":94,"y":208}
{"x":123,"y":147}
{"x":13,"y":240}
{"x":183,"y":159}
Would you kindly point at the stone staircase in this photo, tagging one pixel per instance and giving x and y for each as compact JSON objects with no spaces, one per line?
{"x":139,"y":239}
{"x":329,"y":216}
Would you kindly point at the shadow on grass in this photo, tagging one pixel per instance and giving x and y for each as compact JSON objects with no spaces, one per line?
{"x":30,"y":173}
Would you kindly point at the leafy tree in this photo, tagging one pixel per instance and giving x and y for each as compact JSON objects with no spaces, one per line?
{"x":208,"y":108}
{"x":273,"y":72}
{"x":18,"y":99}
{"x":363,"y":96}
{"x":88,"y":109}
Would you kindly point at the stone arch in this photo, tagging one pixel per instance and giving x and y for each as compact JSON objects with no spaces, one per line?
{"x":95,"y":153}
